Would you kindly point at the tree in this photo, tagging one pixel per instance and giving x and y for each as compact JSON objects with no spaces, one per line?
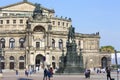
{"x":108,"y":48}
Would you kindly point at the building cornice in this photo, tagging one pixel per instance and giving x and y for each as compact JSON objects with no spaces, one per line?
{"x":13,"y":32}
{"x":94,"y":35}
{"x":64,"y":19}
{"x":76,"y":34}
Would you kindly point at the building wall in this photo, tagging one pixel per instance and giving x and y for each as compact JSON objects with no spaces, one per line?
{"x":13,"y":25}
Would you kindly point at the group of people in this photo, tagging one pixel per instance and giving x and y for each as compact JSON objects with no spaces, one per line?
{"x":108,"y":73}
{"x":48,"y":74}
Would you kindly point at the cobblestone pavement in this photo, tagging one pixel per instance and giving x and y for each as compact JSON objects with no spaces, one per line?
{"x":39,"y":76}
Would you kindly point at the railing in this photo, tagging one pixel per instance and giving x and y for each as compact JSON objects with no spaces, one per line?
{"x":16,"y":48}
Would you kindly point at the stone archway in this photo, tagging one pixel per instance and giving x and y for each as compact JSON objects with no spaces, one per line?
{"x":104,"y":62}
{"x":12,"y":62}
{"x":21,"y":62}
{"x":39,"y":61}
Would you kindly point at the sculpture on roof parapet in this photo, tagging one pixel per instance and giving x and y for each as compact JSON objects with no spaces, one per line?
{"x":37,"y":13}
{"x":70,"y":19}
{"x":38,"y":9}
{"x":24,"y":0}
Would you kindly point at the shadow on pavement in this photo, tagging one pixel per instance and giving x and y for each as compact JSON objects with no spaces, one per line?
{"x":24,"y":79}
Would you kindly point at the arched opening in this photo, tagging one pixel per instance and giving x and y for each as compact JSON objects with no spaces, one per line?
{"x":53,"y":43}
{"x":39,"y":29}
{"x":2,"y":42}
{"x":21,"y":42}
{"x":53,"y":65}
{"x":2,"y":62}
{"x":39,"y":61}
{"x":21,"y":62}
{"x":60,"y":44}
{"x":11,"y":62}
{"x":104,"y":62}
{"x":12,"y":43}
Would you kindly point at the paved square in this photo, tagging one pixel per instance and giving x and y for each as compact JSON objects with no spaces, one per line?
{"x":39,"y":76}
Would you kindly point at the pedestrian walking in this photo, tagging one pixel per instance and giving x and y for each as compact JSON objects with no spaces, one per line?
{"x":16,"y":72}
{"x":108,"y":71}
{"x":51,"y":71}
{"x":87,"y":73}
{"x":49,"y":74}
{"x":45,"y":74}
{"x":26,"y":72}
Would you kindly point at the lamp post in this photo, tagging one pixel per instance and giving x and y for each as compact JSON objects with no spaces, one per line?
{"x":116,"y":64}
{"x":0,"y":60}
{"x":0,"y":63}
{"x":62,"y":65}
{"x":81,"y":58}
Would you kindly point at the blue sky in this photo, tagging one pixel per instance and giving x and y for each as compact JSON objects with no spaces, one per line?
{"x":88,"y":16}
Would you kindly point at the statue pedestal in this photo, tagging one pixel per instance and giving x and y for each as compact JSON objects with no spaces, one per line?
{"x":75,"y":69}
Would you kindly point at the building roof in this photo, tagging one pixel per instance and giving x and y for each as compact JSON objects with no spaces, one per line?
{"x":25,"y":1}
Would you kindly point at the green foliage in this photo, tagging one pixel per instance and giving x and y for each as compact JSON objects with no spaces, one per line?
{"x":109,"y":49}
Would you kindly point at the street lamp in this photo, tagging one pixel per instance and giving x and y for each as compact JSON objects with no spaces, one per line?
{"x":81,"y":58}
{"x":0,"y":60}
{"x":116,"y":64}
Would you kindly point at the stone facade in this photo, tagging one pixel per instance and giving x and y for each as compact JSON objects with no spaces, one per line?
{"x":26,"y":41}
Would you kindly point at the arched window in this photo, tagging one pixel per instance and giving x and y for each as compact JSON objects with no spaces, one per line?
{"x":11,"y":58}
{"x":53,"y":43}
{"x":12,"y":43}
{"x":104,"y":62}
{"x":2,"y":58}
{"x":21,"y":58}
{"x":79,"y":43}
{"x":60,"y":44}
{"x":39,"y":29}
{"x":53,"y":58}
{"x":21,"y":41}
{"x":37,"y":44}
{"x":2,"y":41}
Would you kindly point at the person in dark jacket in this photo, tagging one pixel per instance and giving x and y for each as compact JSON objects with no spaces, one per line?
{"x":26,"y":72}
{"x":49,"y":74}
{"x":45,"y":74}
{"x":16,"y":72}
{"x":108,"y":71}
{"x":87,"y":73}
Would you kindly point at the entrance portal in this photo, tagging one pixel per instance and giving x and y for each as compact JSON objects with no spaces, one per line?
{"x":11,"y":65}
{"x":39,"y":61}
{"x":104,"y":62}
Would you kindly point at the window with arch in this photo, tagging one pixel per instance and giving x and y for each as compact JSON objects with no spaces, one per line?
{"x":21,"y":41}
{"x":21,"y":58}
{"x":79,"y":43}
{"x":2,"y":41}
{"x":39,"y":29}
{"x":37,"y":44}
{"x":11,"y":58}
{"x":60,"y":44}
{"x":12,"y":43}
{"x":53,"y":58}
{"x":53,"y":43}
{"x":2,"y":58}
